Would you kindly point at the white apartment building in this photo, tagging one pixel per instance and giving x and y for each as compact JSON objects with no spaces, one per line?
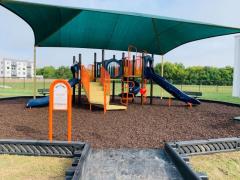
{"x":16,"y":68}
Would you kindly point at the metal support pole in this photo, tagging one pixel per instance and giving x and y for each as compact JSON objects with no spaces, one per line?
{"x":133,"y":66}
{"x":74,"y":59}
{"x":103,"y":54}
{"x":74,"y":88}
{"x":151,"y":86}
{"x":95,"y":67}
{"x":162,"y":68}
{"x":34,"y":74}
{"x":133,"y":71}
{"x":80,"y":83}
{"x":113,"y":82}
{"x":123,"y":59}
{"x":122,"y":83}
{"x":142,"y":81}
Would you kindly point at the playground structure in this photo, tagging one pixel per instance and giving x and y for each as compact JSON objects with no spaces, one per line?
{"x":133,"y":72}
{"x":160,"y":36}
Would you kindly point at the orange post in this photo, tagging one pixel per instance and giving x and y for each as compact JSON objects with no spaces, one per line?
{"x":169,"y":101}
{"x":105,"y":81}
{"x":60,"y":98}
{"x":85,"y":80}
{"x":189,"y":105}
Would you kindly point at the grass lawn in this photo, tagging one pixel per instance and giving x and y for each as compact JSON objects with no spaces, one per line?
{"x":25,"y":88}
{"x":14,"y":167}
{"x":219,"y":166}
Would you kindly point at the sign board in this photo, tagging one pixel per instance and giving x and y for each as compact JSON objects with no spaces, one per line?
{"x":60,"y":97}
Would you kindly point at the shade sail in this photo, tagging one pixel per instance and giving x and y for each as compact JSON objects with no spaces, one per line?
{"x":57,"y":26}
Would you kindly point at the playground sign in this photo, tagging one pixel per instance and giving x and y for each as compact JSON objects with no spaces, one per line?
{"x":60,"y":98}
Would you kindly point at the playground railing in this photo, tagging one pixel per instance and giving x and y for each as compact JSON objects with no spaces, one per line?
{"x":90,"y":70}
{"x":133,"y":67}
{"x":85,"y":79}
{"x":127,"y":67}
{"x":105,"y":81}
{"x":138,"y":66}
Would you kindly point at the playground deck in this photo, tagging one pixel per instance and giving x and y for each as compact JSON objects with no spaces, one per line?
{"x":137,"y":127}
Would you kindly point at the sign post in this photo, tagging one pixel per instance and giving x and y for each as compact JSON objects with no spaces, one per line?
{"x":60,"y":98}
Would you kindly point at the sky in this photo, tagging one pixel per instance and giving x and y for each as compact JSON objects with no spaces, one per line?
{"x":17,"y":39}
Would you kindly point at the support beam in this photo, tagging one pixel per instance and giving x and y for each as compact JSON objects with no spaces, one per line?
{"x":151,"y":85}
{"x":162,"y":69}
{"x":35,"y":73}
{"x":103,"y":57}
{"x":80,"y":83}
{"x":142,"y":78}
{"x":236,"y":74}
{"x":95,"y":67}
{"x":113,"y":83}
{"x":133,"y":65}
{"x":74,"y":88}
{"x":122,"y":83}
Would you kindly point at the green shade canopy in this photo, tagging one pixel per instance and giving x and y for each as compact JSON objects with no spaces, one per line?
{"x":56,"y":26}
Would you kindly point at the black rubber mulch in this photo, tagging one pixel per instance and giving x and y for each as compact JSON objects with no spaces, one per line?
{"x":145,"y":126}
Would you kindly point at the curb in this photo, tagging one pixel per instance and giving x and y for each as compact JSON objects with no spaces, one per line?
{"x":180,"y":151}
{"x":78,"y":151}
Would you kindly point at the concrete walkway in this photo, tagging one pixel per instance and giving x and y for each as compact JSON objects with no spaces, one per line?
{"x":129,"y":164}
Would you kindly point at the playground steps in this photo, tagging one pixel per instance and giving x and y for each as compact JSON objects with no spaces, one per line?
{"x":97,"y":97}
{"x":116,"y":107}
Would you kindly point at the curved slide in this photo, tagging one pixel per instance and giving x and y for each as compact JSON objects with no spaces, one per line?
{"x":40,"y":102}
{"x":134,"y":90}
{"x":150,"y":74}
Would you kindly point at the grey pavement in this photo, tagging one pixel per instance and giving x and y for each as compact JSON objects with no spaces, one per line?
{"x":129,"y":164}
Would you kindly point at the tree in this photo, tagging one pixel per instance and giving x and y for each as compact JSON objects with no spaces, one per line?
{"x":55,"y":73}
{"x":63,"y":73}
{"x":177,"y":73}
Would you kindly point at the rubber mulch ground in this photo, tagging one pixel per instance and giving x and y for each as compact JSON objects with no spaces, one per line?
{"x":145,"y":126}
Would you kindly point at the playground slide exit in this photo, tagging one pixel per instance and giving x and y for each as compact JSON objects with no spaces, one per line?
{"x":40,"y":102}
{"x":150,"y":74}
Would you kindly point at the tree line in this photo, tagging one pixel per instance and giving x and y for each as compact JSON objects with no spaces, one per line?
{"x":50,"y":72}
{"x":176,"y":73}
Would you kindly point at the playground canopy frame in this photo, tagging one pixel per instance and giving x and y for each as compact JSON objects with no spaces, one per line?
{"x":58,"y":26}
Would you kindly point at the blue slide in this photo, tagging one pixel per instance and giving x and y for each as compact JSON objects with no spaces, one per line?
{"x":40,"y":102}
{"x":135,"y":89}
{"x":150,"y":74}
{"x":132,"y":89}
